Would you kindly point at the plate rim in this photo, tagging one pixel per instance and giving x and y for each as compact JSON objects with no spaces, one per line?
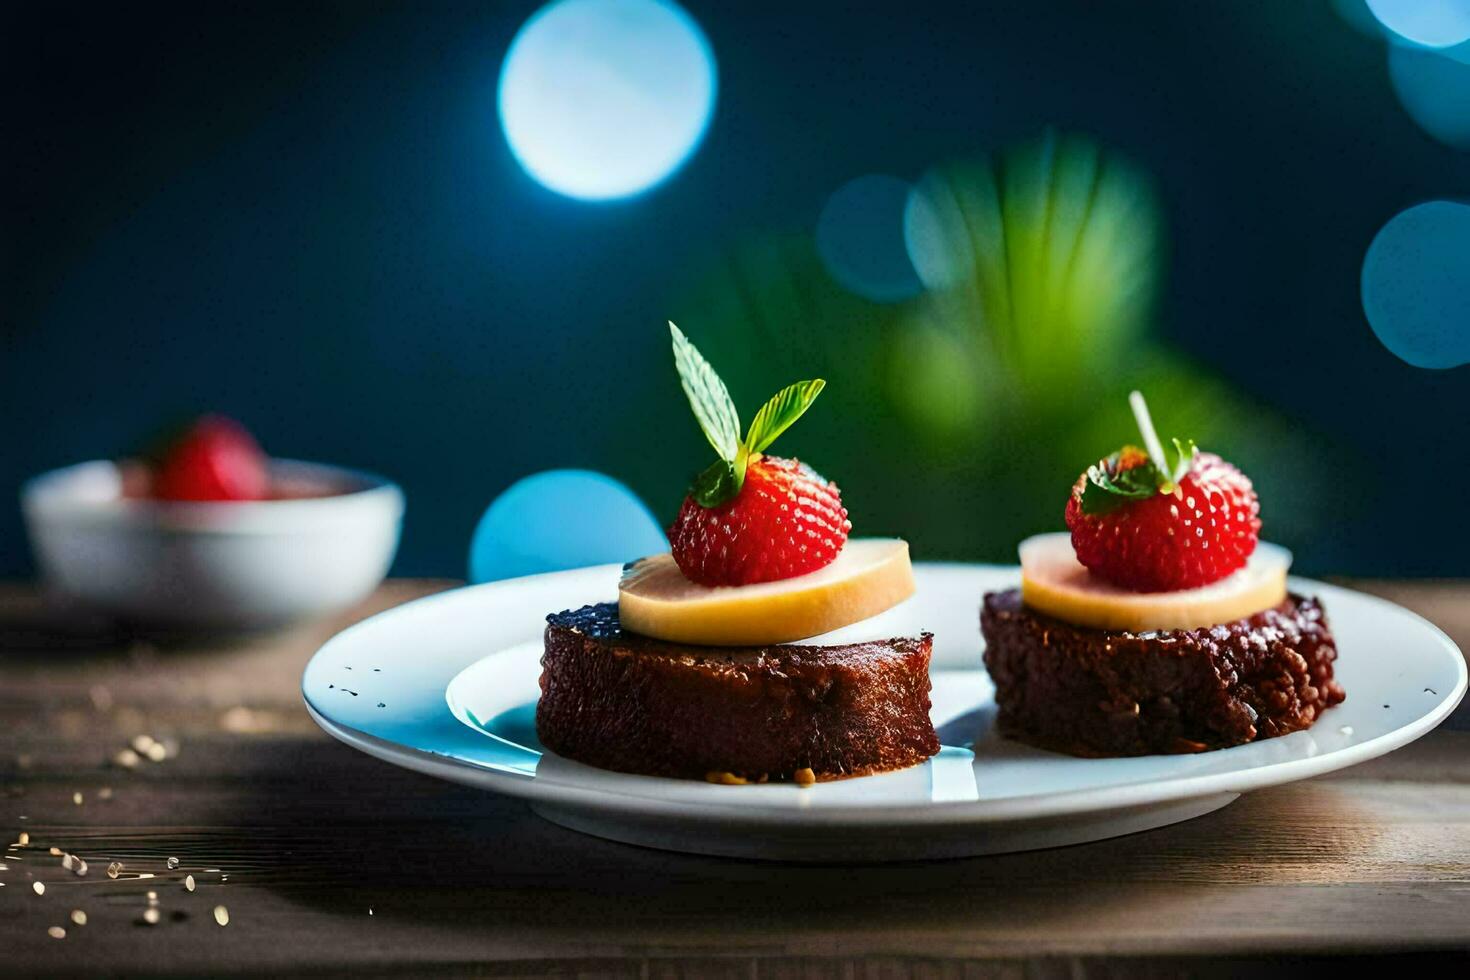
{"x":1038,"y":806}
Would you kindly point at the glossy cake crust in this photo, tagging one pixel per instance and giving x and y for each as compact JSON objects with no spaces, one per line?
{"x":1111,"y":693}
{"x":626,"y":702}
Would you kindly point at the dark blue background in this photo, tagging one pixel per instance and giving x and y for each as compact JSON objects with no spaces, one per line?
{"x":306,"y":216}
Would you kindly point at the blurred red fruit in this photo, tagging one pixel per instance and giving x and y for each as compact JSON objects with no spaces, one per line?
{"x":216,"y":459}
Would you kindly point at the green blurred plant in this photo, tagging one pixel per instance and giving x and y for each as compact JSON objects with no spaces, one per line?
{"x":1044,"y":262}
{"x":964,"y":415}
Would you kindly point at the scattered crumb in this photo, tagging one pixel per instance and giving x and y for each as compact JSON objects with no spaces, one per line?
{"x":76,"y":798}
{"x":157,"y":752}
{"x":114,"y":869}
{"x":39,"y":887}
{"x":222,"y":915}
{"x":188,"y":883}
{"x":173,"y":862}
{"x":56,"y":932}
{"x":151,"y":916}
{"x":55,"y":852}
{"x":23,"y":838}
{"x":126,"y":758}
{"x":105,"y":793}
{"x":142,"y":743}
{"x":805,"y":777}
{"x":79,"y":917}
{"x":725,"y":779}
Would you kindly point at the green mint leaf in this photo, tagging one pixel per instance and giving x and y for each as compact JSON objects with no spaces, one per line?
{"x":1187,"y":451}
{"x":1107,"y":489}
{"x":719,"y":483}
{"x":713,"y":407}
{"x":776,"y":415}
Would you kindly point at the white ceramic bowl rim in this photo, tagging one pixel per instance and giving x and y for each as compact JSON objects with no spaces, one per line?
{"x":91,"y":493}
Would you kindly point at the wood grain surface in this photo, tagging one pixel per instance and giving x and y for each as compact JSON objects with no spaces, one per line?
{"x":330,"y":862}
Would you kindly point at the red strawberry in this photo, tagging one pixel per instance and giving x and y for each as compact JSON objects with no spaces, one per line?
{"x":1151,"y":533}
{"x":216,"y":459}
{"x":751,"y":517}
{"x":785,"y":521}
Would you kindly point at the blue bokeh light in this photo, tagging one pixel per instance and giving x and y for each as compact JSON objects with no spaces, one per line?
{"x":603,"y":99}
{"x":940,"y":247}
{"x":1432,"y":23}
{"x":560,"y":519}
{"x":860,"y":238}
{"x":1416,"y":285}
{"x":1434,"y":90}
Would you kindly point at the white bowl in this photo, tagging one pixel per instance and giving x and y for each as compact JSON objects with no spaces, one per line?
{"x":237,"y":564}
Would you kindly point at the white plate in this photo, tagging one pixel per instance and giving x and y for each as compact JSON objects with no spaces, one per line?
{"x":447,"y":686}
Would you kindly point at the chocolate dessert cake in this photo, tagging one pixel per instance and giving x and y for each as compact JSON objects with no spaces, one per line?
{"x":634,"y":704}
{"x":1097,"y":692}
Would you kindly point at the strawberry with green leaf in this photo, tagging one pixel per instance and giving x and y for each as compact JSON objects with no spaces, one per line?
{"x":751,"y":517}
{"x":1150,"y":524}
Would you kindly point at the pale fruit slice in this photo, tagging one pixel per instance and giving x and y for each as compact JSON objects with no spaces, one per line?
{"x":868,"y":576}
{"x":1055,"y":583}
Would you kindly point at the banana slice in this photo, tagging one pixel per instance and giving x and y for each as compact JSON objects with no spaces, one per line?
{"x":1053,"y":582}
{"x":868,"y":576}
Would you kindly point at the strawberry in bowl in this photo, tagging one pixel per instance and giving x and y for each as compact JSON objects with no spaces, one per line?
{"x":216,"y":458}
{"x":211,"y":533}
{"x":1159,"y":622}
{"x":712,"y":663}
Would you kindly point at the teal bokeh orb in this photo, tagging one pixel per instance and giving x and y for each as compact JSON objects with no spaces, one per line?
{"x":1416,"y":285}
{"x":860,"y":239}
{"x":603,"y":99}
{"x":561,"y":519}
{"x":1432,"y":23}
{"x":1434,"y":89}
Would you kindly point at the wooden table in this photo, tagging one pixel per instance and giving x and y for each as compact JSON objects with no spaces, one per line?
{"x":328,"y":860}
